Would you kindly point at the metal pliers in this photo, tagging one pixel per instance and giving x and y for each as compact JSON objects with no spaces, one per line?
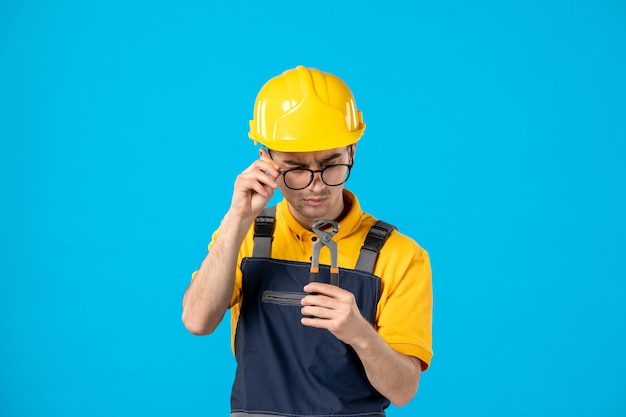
{"x":325,"y":239}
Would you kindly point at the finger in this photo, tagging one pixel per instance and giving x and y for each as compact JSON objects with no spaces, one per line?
{"x":263,"y":190}
{"x":264,"y":178}
{"x":315,"y":322}
{"x":318,"y":312}
{"x":318,"y":300}
{"x":326,"y":289}
{"x":263,"y":164}
{"x":257,"y":185}
{"x":253,"y":177}
{"x":261,"y":167}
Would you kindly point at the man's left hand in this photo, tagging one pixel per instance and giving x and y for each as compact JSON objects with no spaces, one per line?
{"x":334,"y":309}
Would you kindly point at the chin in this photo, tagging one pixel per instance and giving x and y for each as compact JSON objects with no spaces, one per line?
{"x":314,"y":213}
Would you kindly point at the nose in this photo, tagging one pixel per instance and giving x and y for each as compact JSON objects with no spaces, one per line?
{"x":317,"y":183}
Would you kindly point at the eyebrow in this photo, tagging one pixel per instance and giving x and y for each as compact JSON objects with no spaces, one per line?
{"x":323,"y":161}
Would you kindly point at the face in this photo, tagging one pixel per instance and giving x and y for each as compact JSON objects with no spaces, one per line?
{"x":318,"y":200}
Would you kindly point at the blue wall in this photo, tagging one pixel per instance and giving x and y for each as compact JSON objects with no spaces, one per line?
{"x":496,"y":138}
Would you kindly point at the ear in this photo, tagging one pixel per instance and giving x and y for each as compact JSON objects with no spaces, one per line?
{"x":264,"y":154}
{"x":353,"y":151}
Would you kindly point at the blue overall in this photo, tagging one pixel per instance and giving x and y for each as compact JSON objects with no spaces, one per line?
{"x":287,"y":369}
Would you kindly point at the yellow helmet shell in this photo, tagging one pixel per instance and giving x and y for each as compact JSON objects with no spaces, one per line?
{"x":305,"y":110}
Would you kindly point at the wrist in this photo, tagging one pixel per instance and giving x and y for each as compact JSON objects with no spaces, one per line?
{"x":365,"y":338}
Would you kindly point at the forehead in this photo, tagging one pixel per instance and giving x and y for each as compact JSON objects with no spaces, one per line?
{"x":310,"y":157}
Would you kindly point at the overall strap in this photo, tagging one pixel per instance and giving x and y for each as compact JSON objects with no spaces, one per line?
{"x":374,"y":241}
{"x":263,"y":231}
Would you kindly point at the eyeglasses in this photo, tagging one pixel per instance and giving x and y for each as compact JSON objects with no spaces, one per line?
{"x":300,"y":178}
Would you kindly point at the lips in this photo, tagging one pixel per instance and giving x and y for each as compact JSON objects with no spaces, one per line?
{"x":315,"y":201}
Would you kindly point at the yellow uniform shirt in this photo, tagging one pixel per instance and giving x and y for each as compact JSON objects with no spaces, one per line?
{"x":404,"y":312}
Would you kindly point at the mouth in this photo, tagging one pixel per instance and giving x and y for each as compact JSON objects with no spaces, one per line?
{"x":315,"y":201}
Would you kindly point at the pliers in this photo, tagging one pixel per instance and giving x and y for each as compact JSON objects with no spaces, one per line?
{"x":325,"y":239}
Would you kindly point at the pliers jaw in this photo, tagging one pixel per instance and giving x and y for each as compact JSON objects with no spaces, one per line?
{"x":325,"y":239}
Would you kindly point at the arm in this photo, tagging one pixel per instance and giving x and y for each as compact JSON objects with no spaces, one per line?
{"x":393,"y":374}
{"x":208,"y":296}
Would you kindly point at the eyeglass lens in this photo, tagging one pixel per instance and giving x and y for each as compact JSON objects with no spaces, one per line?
{"x":331,"y":175}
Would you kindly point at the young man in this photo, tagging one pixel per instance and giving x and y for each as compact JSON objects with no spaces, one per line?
{"x":308,"y":346}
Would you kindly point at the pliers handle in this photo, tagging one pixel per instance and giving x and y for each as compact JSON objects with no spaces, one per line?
{"x":325,"y":239}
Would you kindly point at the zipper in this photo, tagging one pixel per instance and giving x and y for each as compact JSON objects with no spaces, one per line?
{"x":282,"y":298}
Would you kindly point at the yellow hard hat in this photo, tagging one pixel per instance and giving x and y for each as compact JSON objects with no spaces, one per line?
{"x":305,"y":110}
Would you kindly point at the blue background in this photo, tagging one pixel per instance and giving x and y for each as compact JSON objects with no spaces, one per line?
{"x":495,"y":137}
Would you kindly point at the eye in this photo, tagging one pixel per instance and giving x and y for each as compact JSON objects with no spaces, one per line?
{"x":296,"y":170}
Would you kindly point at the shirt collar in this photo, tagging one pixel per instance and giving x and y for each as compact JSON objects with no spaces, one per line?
{"x":347,"y":225}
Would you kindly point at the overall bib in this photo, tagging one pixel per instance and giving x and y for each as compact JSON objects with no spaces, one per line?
{"x":287,"y":369}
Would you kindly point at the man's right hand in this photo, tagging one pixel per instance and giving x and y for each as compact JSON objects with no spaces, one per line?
{"x":254,"y":187}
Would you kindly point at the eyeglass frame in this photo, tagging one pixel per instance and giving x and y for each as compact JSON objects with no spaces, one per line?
{"x":314,"y":171}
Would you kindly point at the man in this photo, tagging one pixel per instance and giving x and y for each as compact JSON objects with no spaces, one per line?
{"x":306,"y":346}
